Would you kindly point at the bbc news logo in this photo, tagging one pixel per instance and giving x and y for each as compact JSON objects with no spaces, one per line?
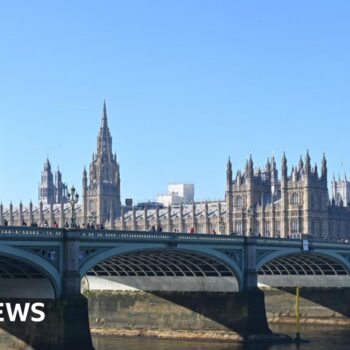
{"x":14,"y":312}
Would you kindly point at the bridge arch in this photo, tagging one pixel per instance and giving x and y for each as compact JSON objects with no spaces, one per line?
{"x":304,"y":269}
{"x":169,"y":263}
{"x":32,"y":265}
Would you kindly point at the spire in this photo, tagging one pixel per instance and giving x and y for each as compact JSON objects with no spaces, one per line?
{"x":229,"y":175}
{"x":324,"y":167}
{"x":307,"y":163}
{"x":250,"y":162}
{"x":229,"y":164}
{"x":47,"y":165}
{"x":268,"y":166}
{"x":104,"y":115}
{"x":301,"y":163}
{"x":250,"y":167}
{"x":284,"y":166}
{"x":104,"y":139}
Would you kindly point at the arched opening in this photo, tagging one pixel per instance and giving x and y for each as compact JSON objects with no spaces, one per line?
{"x":304,"y":270}
{"x":162,"y":289}
{"x":324,"y":281}
{"x":19,"y":279}
{"x":161,"y":270}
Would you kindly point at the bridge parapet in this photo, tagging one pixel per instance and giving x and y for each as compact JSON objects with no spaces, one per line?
{"x":10,"y":232}
{"x":163,"y":236}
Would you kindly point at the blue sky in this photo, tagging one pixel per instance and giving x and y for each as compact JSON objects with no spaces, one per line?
{"x":187,"y":84}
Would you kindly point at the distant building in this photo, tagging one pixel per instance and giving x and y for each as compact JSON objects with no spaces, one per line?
{"x":148,"y":205}
{"x":258,"y":201}
{"x":52,"y":190}
{"x":341,"y":192}
{"x":100,"y":192}
{"x":101,"y":195}
{"x":177,"y":194}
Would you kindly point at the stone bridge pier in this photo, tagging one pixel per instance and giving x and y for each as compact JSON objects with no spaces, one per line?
{"x":66,"y":324}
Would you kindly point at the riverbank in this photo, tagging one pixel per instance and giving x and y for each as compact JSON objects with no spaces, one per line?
{"x":159,"y":315}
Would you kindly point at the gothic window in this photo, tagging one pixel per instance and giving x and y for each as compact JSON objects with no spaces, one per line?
{"x":295,"y":226}
{"x":294,"y":200}
{"x":267,"y":228}
{"x":239,"y":202}
{"x":238,"y":227}
{"x":278,"y":228}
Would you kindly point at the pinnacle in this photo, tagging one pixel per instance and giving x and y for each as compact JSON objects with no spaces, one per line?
{"x":104,"y":114}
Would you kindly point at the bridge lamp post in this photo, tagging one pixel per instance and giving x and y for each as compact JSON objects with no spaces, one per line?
{"x":73,"y":198}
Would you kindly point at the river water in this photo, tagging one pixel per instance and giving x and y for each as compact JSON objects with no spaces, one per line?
{"x":320,"y":337}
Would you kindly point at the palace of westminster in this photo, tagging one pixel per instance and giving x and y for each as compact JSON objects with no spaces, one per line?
{"x":257,"y":201}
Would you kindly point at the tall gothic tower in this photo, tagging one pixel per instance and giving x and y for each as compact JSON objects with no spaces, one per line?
{"x":52,"y":191}
{"x":101,"y":194}
{"x":47,"y":187}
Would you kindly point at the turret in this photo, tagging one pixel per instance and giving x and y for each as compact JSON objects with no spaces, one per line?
{"x":157,"y":217}
{"x":134,"y":219}
{"x":20,"y":214}
{"x":194,"y":221}
{"x":181,"y":218}
{"x":11,"y":214}
{"x":324,"y":168}
{"x":307,"y":163}
{"x":284,"y":197}
{"x":284,"y":168}
{"x":229,"y":175}
{"x":274,"y":177}
{"x":145,"y":215}
{"x":219,"y":217}
{"x":206,"y":214}
{"x":122,"y":218}
{"x":268,"y":170}
{"x":169,"y":223}
{"x":301,"y":164}
{"x":31,"y":219}
{"x":250,"y":167}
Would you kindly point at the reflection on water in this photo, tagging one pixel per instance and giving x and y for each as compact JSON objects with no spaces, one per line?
{"x":321,"y":338}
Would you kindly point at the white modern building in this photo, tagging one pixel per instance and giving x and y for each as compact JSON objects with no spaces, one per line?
{"x":177,"y":194}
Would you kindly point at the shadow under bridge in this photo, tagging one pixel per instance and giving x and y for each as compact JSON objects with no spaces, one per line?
{"x":162,"y":270}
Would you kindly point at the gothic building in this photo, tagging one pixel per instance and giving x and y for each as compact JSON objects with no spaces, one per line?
{"x":52,"y":190}
{"x":101,"y":194}
{"x":258,"y":201}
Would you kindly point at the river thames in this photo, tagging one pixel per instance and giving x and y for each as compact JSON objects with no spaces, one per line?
{"x":320,"y":337}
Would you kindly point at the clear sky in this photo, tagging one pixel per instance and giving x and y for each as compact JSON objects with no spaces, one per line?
{"x":187,"y":84}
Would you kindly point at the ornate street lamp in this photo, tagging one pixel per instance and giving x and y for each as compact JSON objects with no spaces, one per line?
{"x":73,"y":200}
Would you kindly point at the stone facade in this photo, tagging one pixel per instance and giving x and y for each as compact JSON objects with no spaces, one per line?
{"x":101,"y":195}
{"x":52,"y":190}
{"x":257,"y":201}
{"x":262,"y":203}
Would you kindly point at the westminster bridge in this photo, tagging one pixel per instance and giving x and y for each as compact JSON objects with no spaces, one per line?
{"x":50,"y":264}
